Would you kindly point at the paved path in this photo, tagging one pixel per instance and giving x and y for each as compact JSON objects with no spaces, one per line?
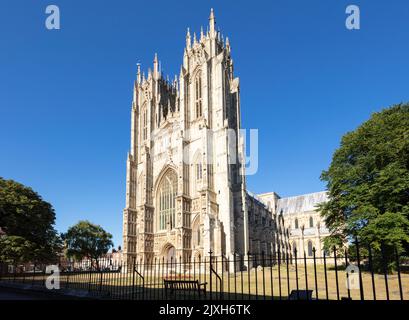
{"x":7,"y":294}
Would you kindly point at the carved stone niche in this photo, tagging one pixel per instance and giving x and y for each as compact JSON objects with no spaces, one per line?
{"x":203,"y":200}
{"x":198,"y":56}
{"x":195,"y":205}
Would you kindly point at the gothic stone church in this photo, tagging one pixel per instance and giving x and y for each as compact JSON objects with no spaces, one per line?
{"x":186,"y":190}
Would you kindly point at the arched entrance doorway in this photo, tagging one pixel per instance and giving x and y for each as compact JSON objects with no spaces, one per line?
{"x":169,"y":253}
{"x":197,"y":256}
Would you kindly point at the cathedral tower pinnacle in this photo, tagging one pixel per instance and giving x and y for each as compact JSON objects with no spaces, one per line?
{"x":155,"y":67}
{"x":188,"y":39}
{"x":138,"y":73}
{"x":212,"y":24}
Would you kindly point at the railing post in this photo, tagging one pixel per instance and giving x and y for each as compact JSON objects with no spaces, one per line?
{"x":325,"y":274}
{"x":15,"y":273}
{"x":315,"y":273}
{"x":398,"y":269}
{"x":100,"y":279}
{"x":372,"y":272}
{"x":67,"y":282}
{"x":385,"y":270}
{"x":361,"y":287}
{"x":210,"y":274}
{"x":133,"y":278}
{"x":346,"y":273}
{"x":143,"y":265}
{"x":163,"y":276}
{"x":264,"y":279}
{"x":44,"y":272}
{"x":221,"y":280}
{"x":271,"y":277}
{"x":24,"y":274}
{"x":296,"y":273}
{"x":241,"y":257}
{"x":235,"y":276}
{"x":34,"y":273}
{"x":90,"y":278}
{"x":288,"y":272}
{"x":306,"y":274}
{"x":279,"y":272}
{"x":180,"y":271}
{"x":336,"y":271}
{"x":248,"y":275}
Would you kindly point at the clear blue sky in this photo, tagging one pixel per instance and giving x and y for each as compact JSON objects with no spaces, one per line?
{"x":65,"y":95}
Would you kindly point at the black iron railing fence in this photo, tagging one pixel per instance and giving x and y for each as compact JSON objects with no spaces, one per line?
{"x":340,"y":275}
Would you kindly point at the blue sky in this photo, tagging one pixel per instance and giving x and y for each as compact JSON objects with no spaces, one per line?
{"x":305,"y":80}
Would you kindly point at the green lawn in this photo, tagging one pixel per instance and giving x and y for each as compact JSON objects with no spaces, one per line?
{"x":234,"y":285}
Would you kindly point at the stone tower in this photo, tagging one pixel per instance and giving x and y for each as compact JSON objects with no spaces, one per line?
{"x":185,"y":192}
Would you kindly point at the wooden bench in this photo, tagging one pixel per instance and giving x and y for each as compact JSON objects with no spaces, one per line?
{"x":300,"y":295}
{"x":171,"y":286}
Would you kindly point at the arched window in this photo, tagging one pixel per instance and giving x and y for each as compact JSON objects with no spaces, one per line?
{"x":196,"y":233}
{"x":199,"y":169}
{"x":210,"y":173}
{"x":198,"y":95}
{"x":309,"y":248}
{"x":140,"y":189}
{"x":296,"y":223}
{"x":311,"y":222}
{"x":166,"y":198}
{"x":144,"y":123}
{"x":197,"y":172}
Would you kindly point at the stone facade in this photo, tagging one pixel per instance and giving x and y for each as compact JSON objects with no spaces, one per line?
{"x":186,"y":190}
{"x":302,"y":220}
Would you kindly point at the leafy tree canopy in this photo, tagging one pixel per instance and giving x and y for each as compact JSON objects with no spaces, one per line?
{"x":87,"y":240}
{"x":27,"y":222}
{"x":368,"y":182}
{"x":15,"y":249}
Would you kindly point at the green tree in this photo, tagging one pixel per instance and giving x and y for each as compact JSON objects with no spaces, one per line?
{"x":15,"y":249}
{"x":368,"y":183}
{"x":27,"y":222}
{"x":87,"y":240}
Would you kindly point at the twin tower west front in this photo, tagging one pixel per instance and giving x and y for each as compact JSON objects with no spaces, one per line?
{"x":186,"y":190}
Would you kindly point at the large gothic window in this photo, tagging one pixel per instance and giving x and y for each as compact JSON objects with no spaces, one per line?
{"x":198,"y":96}
{"x":166,"y":201}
